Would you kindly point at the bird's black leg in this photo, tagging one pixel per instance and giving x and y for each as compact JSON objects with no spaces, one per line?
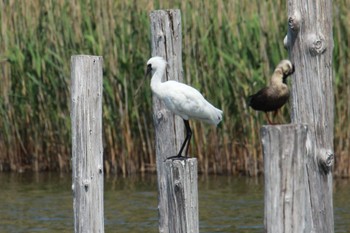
{"x":188,"y":135}
{"x":186,"y":141}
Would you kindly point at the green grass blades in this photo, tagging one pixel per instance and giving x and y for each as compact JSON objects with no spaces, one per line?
{"x":230,"y":49}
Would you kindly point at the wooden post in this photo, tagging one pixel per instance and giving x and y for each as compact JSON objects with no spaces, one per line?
{"x":182,"y":195}
{"x":286,"y":190}
{"x":310,"y":44}
{"x":87,"y":150}
{"x":166,"y":42}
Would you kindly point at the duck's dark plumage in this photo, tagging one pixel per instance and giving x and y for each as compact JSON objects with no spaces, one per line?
{"x":274,"y":96}
{"x":267,"y":101}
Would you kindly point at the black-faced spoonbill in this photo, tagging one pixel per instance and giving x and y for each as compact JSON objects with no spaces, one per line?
{"x":276,"y":94}
{"x":181,"y":99}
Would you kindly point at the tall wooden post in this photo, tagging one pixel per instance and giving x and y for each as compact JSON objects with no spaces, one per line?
{"x":181,"y":196}
{"x":286,"y":190}
{"x":178,"y":212}
{"x":310,"y":44}
{"x":87,"y":150}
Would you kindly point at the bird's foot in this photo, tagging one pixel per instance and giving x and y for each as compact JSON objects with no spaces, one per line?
{"x":176,"y":157}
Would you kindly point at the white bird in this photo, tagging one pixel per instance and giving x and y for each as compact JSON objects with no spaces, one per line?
{"x":181,"y":99}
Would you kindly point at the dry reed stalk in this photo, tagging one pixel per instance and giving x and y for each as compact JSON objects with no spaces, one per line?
{"x":235,"y":46}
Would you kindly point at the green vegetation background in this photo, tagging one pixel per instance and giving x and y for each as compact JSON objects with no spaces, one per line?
{"x":230,"y":49}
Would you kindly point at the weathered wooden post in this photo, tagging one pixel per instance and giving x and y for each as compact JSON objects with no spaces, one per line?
{"x":177,"y":180}
{"x":310,"y":39}
{"x":87,"y":150}
{"x":310,"y":44}
{"x":286,"y":189}
{"x":181,"y":196}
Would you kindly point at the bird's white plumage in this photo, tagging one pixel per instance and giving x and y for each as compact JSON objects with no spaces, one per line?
{"x":180,"y":98}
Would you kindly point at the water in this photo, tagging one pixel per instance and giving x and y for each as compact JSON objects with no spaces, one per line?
{"x":43,"y":203}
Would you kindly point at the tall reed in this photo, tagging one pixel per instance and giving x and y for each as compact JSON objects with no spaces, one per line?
{"x":230,"y":49}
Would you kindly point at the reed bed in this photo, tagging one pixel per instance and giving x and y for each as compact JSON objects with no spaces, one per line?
{"x":230,"y":49}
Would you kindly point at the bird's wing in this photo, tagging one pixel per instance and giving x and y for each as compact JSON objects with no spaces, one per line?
{"x":258,"y":98}
{"x":266,"y":100}
{"x":188,"y":102}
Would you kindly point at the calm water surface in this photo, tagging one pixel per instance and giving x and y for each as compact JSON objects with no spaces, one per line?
{"x":43,"y":203}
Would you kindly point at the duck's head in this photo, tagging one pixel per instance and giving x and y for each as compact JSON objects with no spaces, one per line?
{"x":286,"y":67}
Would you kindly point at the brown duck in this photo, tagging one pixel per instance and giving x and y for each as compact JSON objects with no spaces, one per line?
{"x":274,"y":96}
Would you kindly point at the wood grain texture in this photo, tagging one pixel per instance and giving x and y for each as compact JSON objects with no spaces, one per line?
{"x":286,"y":189}
{"x":311,"y":48}
{"x":182,"y":195}
{"x":87,"y":150}
{"x":310,"y":44}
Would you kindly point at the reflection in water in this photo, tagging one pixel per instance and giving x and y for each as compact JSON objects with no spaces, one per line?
{"x":43,"y":203}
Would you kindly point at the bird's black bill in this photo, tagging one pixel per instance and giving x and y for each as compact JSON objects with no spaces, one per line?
{"x":293,"y":69}
{"x":148,"y":71}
